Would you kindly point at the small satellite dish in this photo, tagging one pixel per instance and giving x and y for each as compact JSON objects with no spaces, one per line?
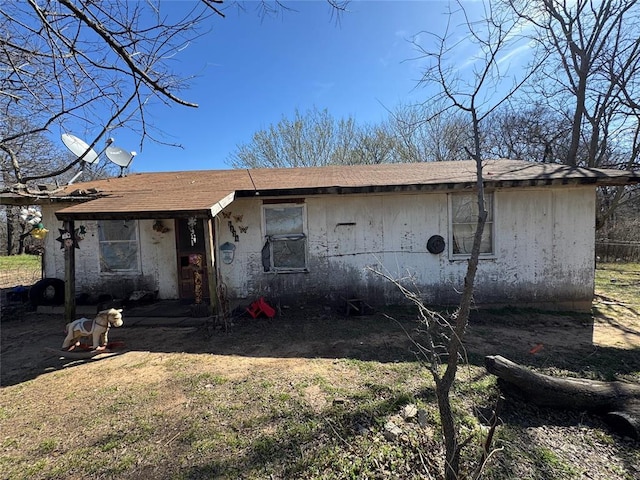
{"x":79,"y":147}
{"x":120,"y":157}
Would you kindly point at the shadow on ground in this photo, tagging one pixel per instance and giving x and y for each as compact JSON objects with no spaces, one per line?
{"x":531,"y":338}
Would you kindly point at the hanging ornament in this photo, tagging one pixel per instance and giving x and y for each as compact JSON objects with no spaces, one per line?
{"x":159,"y":227}
{"x":39,"y":233}
{"x":30,"y":216}
{"x":31,"y":220}
{"x":66,"y":239}
{"x":191,"y":223}
{"x":80,"y":233}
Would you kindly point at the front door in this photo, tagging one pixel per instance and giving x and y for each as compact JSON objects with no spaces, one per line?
{"x":192,"y":269}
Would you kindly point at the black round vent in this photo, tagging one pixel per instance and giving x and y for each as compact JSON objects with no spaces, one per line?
{"x":435,"y":244}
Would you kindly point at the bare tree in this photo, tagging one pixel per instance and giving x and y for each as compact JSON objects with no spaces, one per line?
{"x":311,"y":139}
{"x":528,"y":131}
{"x":34,"y":155}
{"x":38,"y":154}
{"x":429,"y":133}
{"x":99,"y":62}
{"x":593,"y":53}
{"x":475,"y":91}
{"x":316,"y":138}
{"x":374,"y":144}
{"x":95,"y":64}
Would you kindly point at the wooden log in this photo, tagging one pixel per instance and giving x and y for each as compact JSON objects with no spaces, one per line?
{"x":619,"y":402}
{"x":626,"y":423}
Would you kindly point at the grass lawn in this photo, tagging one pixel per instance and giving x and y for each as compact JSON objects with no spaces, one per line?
{"x":305,"y":396}
{"x":619,"y":281}
{"x":19,"y":270}
{"x":19,"y":261}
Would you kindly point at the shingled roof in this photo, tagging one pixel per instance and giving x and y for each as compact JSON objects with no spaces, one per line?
{"x":207,"y":192}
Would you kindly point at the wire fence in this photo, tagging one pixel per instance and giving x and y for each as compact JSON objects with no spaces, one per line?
{"x":25,"y":275}
{"x":618,"y":251}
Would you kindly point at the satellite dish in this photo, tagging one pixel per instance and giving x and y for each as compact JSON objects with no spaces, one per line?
{"x":79,"y":147}
{"x":120,"y":157}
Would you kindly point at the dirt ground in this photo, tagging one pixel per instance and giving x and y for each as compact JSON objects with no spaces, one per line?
{"x":535,"y":338}
{"x":181,"y":398}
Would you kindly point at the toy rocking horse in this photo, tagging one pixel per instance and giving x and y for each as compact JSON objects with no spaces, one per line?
{"x":98,"y":328}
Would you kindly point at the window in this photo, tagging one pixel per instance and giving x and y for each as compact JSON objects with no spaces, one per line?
{"x":464,"y":217}
{"x":286,"y":247}
{"x":118,"y":245}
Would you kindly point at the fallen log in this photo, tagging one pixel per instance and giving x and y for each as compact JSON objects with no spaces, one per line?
{"x":618,"y":402}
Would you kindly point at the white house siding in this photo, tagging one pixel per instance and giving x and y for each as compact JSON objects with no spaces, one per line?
{"x":349,"y":239}
{"x":544,"y":249}
{"x":53,"y":260}
{"x":158,"y":269}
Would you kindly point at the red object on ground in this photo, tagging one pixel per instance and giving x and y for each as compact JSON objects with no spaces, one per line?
{"x":260,"y":306}
{"x":536,"y":349}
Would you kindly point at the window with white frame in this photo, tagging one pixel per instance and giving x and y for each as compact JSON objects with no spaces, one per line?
{"x":285,"y":249}
{"x":464,"y":217}
{"x":119,"y":246}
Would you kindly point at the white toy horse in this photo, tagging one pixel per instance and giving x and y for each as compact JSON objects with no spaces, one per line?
{"x":98,"y":328}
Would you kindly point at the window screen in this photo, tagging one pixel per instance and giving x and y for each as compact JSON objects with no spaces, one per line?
{"x":118,"y":245}
{"x":464,"y":217}
{"x":286,"y":241}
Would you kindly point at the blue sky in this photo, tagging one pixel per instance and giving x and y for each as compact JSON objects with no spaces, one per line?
{"x":254,"y":70}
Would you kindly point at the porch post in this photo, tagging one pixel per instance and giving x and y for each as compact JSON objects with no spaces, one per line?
{"x":210,"y":260}
{"x":69,"y":272}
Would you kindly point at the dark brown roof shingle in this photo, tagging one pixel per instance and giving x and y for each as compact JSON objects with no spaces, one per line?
{"x":152,"y":195}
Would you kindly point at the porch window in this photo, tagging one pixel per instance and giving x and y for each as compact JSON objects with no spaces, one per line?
{"x":464,"y":217}
{"x":285,"y":249}
{"x":119,"y":246}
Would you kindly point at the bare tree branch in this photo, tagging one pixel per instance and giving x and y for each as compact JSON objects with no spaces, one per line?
{"x":65,"y":63}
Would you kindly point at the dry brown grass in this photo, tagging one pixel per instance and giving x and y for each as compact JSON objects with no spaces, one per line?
{"x":305,"y":395}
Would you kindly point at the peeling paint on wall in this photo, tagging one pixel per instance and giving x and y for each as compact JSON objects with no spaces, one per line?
{"x":348,"y":235}
{"x":158,"y":263}
{"x":544,"y":249}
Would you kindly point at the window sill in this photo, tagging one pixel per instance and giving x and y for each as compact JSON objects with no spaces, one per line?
{"x":460,"y":258}
{"x":121,"y":272}
{"x":288,"y":270}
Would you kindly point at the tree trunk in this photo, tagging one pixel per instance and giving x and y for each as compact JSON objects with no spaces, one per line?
{"x":619,"y":402}
{"x":11,"y":222}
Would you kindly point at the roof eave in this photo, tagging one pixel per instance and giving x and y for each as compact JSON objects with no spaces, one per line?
{"x":442,"y":186}
{"x":15,"y":199}
{"x":625,"y":178}
{"x":133,"y":215}
{"x":149,"y":214}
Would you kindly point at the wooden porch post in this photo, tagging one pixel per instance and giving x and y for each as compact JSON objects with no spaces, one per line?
{"x":210,"y":260}
{"x":69,"y":273}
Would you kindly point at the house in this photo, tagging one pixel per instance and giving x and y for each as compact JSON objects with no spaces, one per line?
{"x":324,"y":233}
